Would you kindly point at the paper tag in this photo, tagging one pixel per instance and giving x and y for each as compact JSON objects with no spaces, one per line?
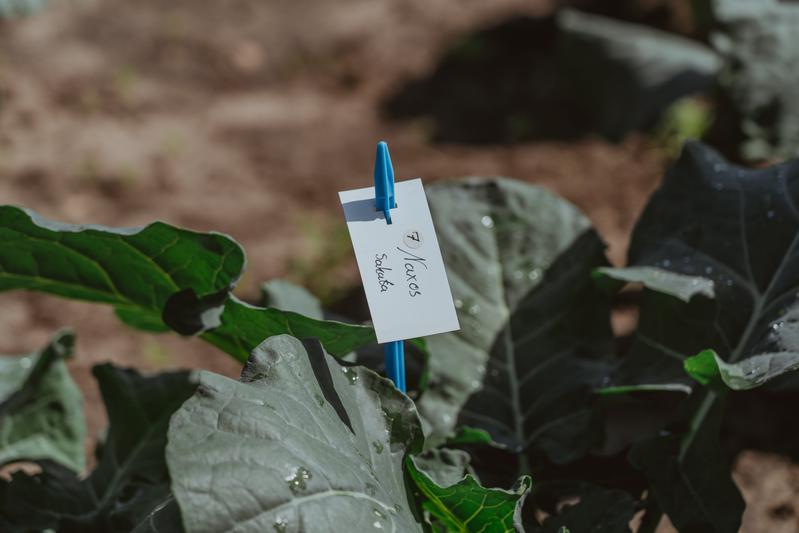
{"x":400,"y":263}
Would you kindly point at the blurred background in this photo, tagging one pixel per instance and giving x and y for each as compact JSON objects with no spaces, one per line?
{"x":246,"y":117}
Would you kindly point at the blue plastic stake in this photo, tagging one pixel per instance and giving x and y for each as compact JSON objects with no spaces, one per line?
{"x":385,"y":201}
{"x":384,"y":181}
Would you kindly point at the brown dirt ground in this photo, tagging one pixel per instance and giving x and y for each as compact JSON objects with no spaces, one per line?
{"x":246,"y":117}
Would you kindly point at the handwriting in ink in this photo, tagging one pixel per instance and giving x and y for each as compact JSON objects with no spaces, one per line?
{"x":411,"y":262}
{"x":382,"y":276}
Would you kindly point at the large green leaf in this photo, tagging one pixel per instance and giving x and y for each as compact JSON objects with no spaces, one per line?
{"x":137,"y":270}
{"x":300,"y":443}
{"x":534,"y":328}
{"x":131,"y":478}
{"x":155,"y":277}
{"x":466,"y":506}
{"x":743,"y":235}
{"x":41,"y":413}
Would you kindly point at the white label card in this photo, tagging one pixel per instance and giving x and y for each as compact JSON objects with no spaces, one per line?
{"x":400,"y":263}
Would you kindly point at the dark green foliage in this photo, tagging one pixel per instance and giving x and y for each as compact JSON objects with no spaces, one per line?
{"x":689,"y":479}
{"x":157,"y":277}
{"x":634,"y":72}
{"x":534,"y":384}
{"x":536,"y":381}
{"x":130,"y":478}
{"x":525,"y":78}
{"x":41,"y":415}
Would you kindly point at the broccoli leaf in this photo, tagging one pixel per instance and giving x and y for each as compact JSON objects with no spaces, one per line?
{"x":131,"y":477}
{"x":41,"y":413}
{"x":635,"y":72}
{"x":137,"y":270}
{"x":304,"y":444}
{"x":535,"y":335}
{"x":467,"y":506}
{"x":742,"y":234}
{"x":245,"y":326}
{"x":156,"y":277}
{"x":743,"y":237}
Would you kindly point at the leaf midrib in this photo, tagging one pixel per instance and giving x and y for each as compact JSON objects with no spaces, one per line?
{"x":510,"y":364}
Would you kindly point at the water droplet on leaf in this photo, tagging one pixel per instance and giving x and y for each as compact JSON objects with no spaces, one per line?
{"x":487,"y":221}
{"x":280,"y":525}
{"x":298,"y":480}
{"x":351,"y":374}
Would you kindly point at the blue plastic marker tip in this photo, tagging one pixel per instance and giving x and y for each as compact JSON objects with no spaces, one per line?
{"x":385,"y":201}
{"x":384,"y":181}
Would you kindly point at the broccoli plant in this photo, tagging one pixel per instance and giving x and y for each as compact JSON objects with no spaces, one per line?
{"x":536,"y":416}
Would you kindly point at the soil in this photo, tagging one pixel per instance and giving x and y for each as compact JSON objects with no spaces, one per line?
{"x":246,"y":117}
